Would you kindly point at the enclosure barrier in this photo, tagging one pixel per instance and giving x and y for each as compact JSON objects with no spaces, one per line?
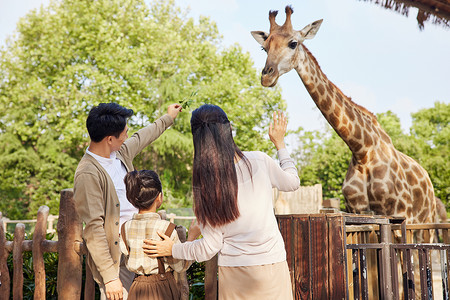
{"x":71,"y":249}
{"x":329,"y":257}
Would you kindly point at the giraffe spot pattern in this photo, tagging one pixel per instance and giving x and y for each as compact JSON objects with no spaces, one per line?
{"x":326,"y":103}
{"x":349,"y":112}
{"x":390,"y":206}
{"x":367,"y":139}
{"x":418,"y":199}
{"x":334,"y":120}
{"x":354,"y":145}
{"x":321,"y":89}
{"x":357,"y":132}
{"x":411,"y":178}
{"x":400,"y":207}
{"x":379,"y":172}
{"x":344,"y":132}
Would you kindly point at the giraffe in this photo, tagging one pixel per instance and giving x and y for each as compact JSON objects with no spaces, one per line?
{"x":379,"y":177}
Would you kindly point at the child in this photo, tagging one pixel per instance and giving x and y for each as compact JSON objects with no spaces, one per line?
{"x":154,"y":277}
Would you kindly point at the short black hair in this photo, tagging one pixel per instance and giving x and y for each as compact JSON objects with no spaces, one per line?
{"x":107,"y":119}
{"x":142,"y":188}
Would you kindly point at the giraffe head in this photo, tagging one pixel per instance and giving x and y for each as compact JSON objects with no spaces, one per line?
{"x":282,"y":45}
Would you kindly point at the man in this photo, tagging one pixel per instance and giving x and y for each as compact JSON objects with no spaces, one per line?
{"x":99,"y":190}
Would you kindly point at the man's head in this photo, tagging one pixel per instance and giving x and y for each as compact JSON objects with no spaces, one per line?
{"x":107,"y":119}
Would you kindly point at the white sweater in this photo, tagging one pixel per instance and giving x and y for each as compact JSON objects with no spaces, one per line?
{"x":253,"y":238}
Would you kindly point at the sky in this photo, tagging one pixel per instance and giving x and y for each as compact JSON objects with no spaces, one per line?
{"x":377,"y":57}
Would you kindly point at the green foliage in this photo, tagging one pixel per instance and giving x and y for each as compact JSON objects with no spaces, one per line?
{"x":196,"y":279}
{"x":322,"y":158}
{"x":432,"y":127}
{"x":71,"y":55}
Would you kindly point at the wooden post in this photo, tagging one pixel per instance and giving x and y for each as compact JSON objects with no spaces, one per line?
{"x":19,"y":235}
{"x":300,"y":253}
{"x":385,"y":230}
{"x":69,"y":264}
{"x":211,"y":278}
{"x":4,"y":272}
{"x":182,"y":277}
{"x":38,"y":258}
{"x":89,"y":284}
{"x":336,"y":256}
{"x":319,"y":256}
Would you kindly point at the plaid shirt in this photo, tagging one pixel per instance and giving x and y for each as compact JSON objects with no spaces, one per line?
{"x":145,"y":226}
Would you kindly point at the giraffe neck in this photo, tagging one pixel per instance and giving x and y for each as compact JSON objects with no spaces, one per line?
{"x":352,"y":122}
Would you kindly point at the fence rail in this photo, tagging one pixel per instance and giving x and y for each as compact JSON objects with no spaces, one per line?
{"x":70,"y":249}
{"x":330,"y":256}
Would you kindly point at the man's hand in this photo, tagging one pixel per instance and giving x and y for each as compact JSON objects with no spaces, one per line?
{"x":114,"y":289}
{"x":173,"y":110}
{"x":277,"y":130}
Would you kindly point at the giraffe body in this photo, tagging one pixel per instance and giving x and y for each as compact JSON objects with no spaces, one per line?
{"x":379,"y":178}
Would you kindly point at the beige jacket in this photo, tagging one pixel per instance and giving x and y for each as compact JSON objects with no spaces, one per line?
{"x":98,"y":206}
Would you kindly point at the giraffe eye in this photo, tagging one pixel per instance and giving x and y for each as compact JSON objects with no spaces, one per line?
{"x":292,"y":45}
{"x":262,"y":48}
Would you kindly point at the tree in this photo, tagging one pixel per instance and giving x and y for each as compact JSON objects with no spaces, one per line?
{"x":432,"y":127}
{"x":323,"y":158}
{"x":72,"y":55}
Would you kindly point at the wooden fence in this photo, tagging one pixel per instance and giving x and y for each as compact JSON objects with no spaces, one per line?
{"x":328,"y":259}
{"x":71,"y":249}
{"x":327,"y":256}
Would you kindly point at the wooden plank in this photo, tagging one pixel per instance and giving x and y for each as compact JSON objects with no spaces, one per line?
{"x":446,"y":238}
{"x":286,"y":230}
{"x":302,"y":265}
{"x":211,"y":278}
{"x":181,"y":278}
{"x":372,"y":264}
{"x":69,"y":262}
{"x":19,"y":236}
{"x":355,"y":271}
{"x":336,"y":258}
{"x":89,"y":284}
{"x":319,"y":257}
{"x":364,"y":273}
{"x":38,"y":254}
{"x":4,"y":272}
{"x":444,"y":269}
{"x":409,"y":283}
{"x":423,"y":274}
{"x":394,"y":270}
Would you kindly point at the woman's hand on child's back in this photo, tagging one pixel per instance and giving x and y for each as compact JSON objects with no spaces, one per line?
{"x":277,"y":129}
{"x":158,"y":248}
{"x":194,"y":231}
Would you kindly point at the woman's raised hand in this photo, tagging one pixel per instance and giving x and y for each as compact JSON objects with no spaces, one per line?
{"x":277,"y":129}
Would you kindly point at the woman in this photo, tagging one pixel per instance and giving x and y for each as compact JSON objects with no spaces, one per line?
{"x":233,"y":205}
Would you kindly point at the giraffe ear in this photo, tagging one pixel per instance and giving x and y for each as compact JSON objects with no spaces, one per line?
{"x":260,"y":36}
{"x":310,"y":30}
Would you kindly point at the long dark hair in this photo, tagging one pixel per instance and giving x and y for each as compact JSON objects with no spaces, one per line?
{"x":214,"y":178}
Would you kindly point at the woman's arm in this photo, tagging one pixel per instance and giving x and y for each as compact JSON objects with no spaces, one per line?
{"x":198,"y":250}
{"x":283,"y":176}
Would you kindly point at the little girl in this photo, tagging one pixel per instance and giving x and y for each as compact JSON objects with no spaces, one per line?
{"x":154,"y":277}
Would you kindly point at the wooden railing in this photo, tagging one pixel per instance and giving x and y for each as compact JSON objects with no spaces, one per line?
{"x":345,"y":256}
{"x":71,"y":249}
{"x":328,"y":256}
